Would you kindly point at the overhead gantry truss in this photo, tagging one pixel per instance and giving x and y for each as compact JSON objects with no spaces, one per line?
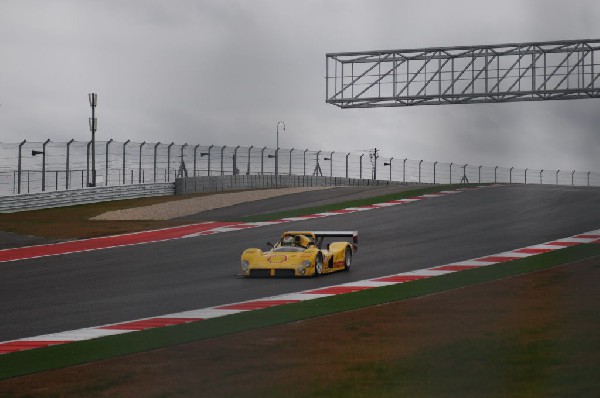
{"x":542,"y":71}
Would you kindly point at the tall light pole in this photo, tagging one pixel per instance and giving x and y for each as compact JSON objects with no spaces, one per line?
{"x":277,"y":149}
{"x":93,"y":98}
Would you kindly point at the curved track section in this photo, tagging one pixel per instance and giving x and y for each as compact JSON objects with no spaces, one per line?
{"x":53,"y":294}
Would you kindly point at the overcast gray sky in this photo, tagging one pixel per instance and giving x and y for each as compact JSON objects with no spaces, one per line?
{"x":224,"y":72}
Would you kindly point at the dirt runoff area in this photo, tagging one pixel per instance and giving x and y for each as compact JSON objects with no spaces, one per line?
{"x":534,"y":335}
{"x":186,"y":207}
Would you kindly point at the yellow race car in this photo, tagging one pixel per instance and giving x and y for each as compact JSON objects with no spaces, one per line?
{"x":301,"y":253}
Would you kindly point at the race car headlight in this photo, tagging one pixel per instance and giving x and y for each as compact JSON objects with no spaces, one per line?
{"x":245,"y":265}
{"x":303,"y":266}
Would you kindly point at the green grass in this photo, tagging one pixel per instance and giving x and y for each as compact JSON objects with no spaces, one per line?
{"x":353,"y":203}
{"x":37,"y":360}
{"x":506,"y":364}
{"x":493,"y":367}
{"x":74,"y":221}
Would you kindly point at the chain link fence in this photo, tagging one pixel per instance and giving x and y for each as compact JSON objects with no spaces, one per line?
{"x":29,"y":167}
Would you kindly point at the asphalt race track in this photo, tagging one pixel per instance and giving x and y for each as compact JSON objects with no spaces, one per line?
{"x":73,"y":291}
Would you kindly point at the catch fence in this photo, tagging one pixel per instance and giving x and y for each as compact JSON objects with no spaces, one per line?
{"x":29,"y":167}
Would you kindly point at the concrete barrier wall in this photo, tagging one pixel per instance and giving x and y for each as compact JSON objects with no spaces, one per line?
{"x":182,"y":186}
{"x":44,"y":200}
{"x":191,"y":185}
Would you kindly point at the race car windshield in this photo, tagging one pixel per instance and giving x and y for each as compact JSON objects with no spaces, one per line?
{"x":288,"y":249}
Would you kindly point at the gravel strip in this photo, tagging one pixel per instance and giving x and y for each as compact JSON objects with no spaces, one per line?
{"x":186,"y":207}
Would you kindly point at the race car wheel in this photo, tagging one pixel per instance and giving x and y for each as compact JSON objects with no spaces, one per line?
{"x":347,"y":259}
{"x":319,"y":265}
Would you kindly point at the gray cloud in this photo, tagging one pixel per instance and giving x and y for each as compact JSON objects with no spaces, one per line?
{"x":224,"y":73}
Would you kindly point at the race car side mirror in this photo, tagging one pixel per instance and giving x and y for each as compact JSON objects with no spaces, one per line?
{"x":270,"y":244}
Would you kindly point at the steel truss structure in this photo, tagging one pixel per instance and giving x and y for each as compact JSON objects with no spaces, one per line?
{"x":541,"y":71}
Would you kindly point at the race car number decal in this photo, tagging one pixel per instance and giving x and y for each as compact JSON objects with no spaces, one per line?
{"x":277,"y":259}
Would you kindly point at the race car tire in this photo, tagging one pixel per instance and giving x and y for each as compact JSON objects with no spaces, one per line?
{"x":347,"y":259}
{"x":318,"y":265}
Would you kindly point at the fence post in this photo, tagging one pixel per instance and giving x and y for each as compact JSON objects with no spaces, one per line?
{"x":291,"y":150}
{"x":234,"y":161}
{"x":588,"y":174}
{"x":557,"y":171}
{"x":541,"y":171}
{"x":168,"y":161}
{"x":360,"y":173}
{"x":140,"y":164}
{"x":304,"y":170}
{"x":421,"y":161}
{"x":434,"y":164}
{"x":262,"y":161}
{"x":451,"y":173}
{"x":209,"y":148}
{"x":249,"y":150}
{"x":44,"y":164}
{"x":374,"y":171}
{"x":124,"y":152}
{"x":479,"y":175}
{"x":106,"y":163}
{"x":404,"y":170}
{"x":347,"y":164}
{"x":222,"y":152}
{"x":19,"y":167}
{"x":331,"y":164}
{"x":68,"y":165}
{"x":195,"y":157}
{"x":526,"y":176}
{"x":510,"y":175}
{"x":495,"y":174}
{"x":573,"y":178}
{"x":155,"y":154}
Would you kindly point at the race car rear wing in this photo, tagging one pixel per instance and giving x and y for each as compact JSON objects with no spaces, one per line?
{"x":339,"y":234}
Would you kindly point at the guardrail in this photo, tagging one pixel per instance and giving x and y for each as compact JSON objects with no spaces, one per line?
{"x":44,"y":200}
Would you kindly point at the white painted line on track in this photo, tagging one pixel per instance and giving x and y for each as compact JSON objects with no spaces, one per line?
{"x":205,"y":313}
{"x":298,"y":296}
{"x":514,"y":254}
{"x":426,"y":272}
{"x":76,"y":335}
{"x":368,"y":283}
{"x":468,"y":263}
